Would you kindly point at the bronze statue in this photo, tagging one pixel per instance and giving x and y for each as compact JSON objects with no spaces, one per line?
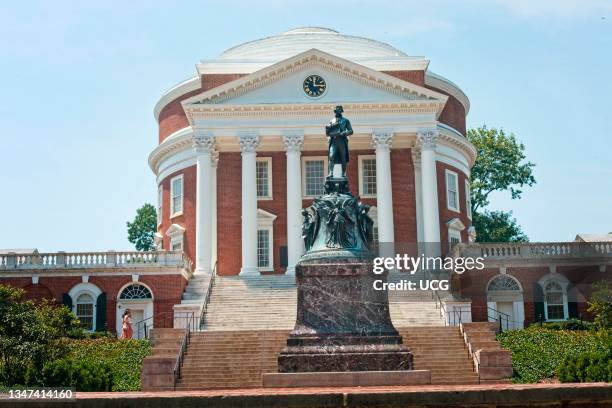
{"x":338,"y":131}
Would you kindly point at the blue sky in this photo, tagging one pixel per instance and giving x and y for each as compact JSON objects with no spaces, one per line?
{"x":79,"y":80}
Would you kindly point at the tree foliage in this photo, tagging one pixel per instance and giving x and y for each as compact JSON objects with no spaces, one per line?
{"x":497,"y":226}
{"x":600,"y":304}
{"x":500,"y":165}
{"x":141,"y":231}
{"x":31,"y":334}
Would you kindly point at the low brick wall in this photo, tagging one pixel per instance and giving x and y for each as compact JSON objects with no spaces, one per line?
{"x":489,"y":396}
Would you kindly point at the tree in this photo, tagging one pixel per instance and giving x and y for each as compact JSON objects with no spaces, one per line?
{"x":497,"y":226}
{"x":600,"y":304}
{"x":500,"y":166}
{"x":31,"y":334}
{"x":141,"y":231}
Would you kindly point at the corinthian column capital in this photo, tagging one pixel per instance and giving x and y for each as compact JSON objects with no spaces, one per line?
{"x":248,"y":142}
{"x":427,"y":139}
{"x":382,"y":139}
{"x":294,"y":142}
{"x":203,"y":142}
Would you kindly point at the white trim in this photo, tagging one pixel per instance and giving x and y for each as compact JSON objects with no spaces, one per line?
{"x":562,"y":281}
{"x":325,"y":170}
{"x":180,"y":212}
{"x":455,"y":226}
{"x":468,"y":199}
{"x":454,"y":175}
{"x":176,"y":91}
{"x":160,"y":204}
{"x":131,"y":300}
{"x":176,"y":233}
{"x":443,"y":84}
{"x":267,"y":160}
{"x":360,"y":167}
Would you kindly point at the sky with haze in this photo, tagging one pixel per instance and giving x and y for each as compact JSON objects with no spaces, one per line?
{"x":79,"y":80}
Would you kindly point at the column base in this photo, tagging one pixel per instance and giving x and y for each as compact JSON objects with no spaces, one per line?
{"x":249,"y":270}
{"x":203,"y":271}
{"x":290,"y":270}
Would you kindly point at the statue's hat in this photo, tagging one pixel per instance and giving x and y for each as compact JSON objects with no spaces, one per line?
{"x":339,"y":109}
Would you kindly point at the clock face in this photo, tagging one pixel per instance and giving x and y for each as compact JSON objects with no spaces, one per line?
{"x":314,"y":86}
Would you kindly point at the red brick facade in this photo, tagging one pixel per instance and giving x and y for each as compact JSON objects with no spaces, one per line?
{"x":167,"y":291}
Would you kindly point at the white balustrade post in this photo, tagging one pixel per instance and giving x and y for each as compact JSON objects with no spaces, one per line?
{"x":248,"y":145}
{"x":427,"y":139}
{"x":204,"y":145}
{"x":384,"y":191}
{"x":293,"y":146}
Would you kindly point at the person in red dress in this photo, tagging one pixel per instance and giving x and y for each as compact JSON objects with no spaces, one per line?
{"x":126,"y":325}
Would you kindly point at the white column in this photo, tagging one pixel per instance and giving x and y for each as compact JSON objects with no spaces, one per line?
{"x":214,"y":163}
{"x":384,"y":192}
{"x":293,"y":146}
{"x":248,"y":145}
{"x":204,"y":145}
{"x":427,"y":140}
{"x":418,"y":188}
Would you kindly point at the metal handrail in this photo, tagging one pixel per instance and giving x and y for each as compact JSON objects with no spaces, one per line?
{"x":207,"y":295}
{"x":179,"y":359}
{"x":498,"y":318}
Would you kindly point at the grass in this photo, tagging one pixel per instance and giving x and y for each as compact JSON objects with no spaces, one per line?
{"x":537,"y":351}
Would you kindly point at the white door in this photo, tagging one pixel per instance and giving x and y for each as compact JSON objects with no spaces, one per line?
{"x":507,"y":314}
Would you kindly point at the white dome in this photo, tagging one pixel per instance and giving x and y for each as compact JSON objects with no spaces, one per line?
{"x":292,"y":42}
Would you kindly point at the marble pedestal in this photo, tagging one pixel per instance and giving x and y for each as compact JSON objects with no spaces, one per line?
{"x":342,"y":324}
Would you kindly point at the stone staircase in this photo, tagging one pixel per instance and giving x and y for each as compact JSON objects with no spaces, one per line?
{"x":441,"y":350}
{"x":230,"y":359}
{"x":237,"y":359}
{"x":270,"y":303}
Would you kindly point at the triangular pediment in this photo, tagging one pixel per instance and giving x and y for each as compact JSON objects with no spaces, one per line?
{"x":346,"y":82}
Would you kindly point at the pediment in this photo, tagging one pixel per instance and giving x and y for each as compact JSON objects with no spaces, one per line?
{"x":347,"y":83}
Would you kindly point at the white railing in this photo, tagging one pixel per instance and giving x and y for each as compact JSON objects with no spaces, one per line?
{"x":535,"y":250}
{"x":83,"y":260}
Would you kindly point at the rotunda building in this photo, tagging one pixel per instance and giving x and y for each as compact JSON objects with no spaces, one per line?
{"x":242,"y":149}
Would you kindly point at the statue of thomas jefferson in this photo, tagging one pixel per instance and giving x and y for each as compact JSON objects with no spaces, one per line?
{"x":338,"y":131}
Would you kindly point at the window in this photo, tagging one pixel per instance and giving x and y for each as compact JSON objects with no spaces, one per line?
{"x":452,"y":191}
{"x":314,"y":170}
{"x":177,"y":245}
{"x":373,"y":213}
{"x":85,"y":310}
{"x":176,"y":193}
{"x":135,"y":291}
{"x":454,"y":237}
{"x":264,"y":259}
{"x":263,"y":171}
{"x":555,"y":304}
{"x":367,"y":176}
{"x":503,"y":283}
{"x":160,"y":200}
{"x":468,"y":199}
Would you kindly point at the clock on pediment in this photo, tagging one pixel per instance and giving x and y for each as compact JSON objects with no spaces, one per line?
{"x":314,"y":85}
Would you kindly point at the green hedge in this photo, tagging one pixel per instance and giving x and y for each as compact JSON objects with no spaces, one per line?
{"x":124,"y":357}
{"x":81,"y":375}
{"x":537,"y":352}
{"x":572,"y":324}
{"x":588,"y":367}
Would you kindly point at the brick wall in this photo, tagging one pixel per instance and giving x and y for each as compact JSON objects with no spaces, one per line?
{"x":167,"y":291}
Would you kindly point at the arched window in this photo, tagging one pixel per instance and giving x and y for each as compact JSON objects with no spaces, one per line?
{"x":503,"y":282}
{"x":555,"y":302}
{"x":135,"y":291}
{"x":85,"y":310}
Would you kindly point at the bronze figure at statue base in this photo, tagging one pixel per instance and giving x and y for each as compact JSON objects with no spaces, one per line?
{"x":343,"y":331}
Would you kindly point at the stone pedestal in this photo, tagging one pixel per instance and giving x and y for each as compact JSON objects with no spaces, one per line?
{"x":342,"y":324}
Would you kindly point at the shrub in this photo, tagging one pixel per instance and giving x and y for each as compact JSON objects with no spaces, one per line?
{"x":586,"y":367}
{"x":537,"y":352}
{"x":82,"y":375}
{"x":573,"y":324}
{"x":124,"y":357}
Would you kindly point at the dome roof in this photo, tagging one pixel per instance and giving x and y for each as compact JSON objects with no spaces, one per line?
{"x":292,"y":42}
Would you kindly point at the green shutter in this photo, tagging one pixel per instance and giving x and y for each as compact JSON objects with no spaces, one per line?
{"x":538,"y":302}
{"x":572,"y":304}
{"x":67,"y":301}
{"x":101,"y":312}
